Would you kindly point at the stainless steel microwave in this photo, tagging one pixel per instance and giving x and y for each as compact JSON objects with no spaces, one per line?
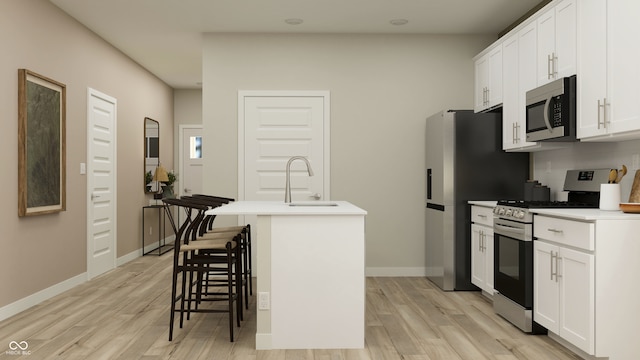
{"x":551,"y":111}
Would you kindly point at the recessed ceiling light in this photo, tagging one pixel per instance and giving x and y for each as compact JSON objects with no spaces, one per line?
{"x":293,"y":21}
{"x":399,"y":22}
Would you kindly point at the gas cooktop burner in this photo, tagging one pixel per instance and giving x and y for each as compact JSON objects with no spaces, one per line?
{"x":546,"y":204}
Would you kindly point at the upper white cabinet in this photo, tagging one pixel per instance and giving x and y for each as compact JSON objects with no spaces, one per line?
{"x":519,"y":54}
{"x":556,"y":43}
{"x":488,"y":82}
{"x":608,"y":71}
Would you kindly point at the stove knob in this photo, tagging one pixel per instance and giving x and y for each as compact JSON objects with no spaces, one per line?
{"x":509,"y":212}
{"x":501,"y":211}
{"x":520,"y":214}
{"x":496,"y":210}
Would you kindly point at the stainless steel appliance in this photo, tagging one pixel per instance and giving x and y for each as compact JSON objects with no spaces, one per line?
{"x":513,"y":245}
{"x":465,"y":162}
{"x":551,"y":111}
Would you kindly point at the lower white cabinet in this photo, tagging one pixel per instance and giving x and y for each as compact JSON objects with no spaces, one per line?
{"x":586,"y":280}
{"x":564,"y":284}
{"x":482,"y":257}
{"x":482,"y":248}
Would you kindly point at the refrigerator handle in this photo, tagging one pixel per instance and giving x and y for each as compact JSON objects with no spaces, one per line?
{"x":429,"y":184}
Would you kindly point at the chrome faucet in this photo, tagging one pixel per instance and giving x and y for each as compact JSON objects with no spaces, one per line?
{"x":287,"y":187}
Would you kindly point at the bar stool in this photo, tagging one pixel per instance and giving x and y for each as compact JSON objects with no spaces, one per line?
{"x":207,"y":228}
{"x":191,"y":256}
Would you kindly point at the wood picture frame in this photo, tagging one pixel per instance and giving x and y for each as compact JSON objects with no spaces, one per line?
{"x":41,"y":144}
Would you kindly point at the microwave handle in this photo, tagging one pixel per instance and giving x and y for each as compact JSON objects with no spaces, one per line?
{"x":546,"y":113}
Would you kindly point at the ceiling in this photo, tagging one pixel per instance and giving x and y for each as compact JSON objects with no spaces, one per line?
{"x":164,"y":36}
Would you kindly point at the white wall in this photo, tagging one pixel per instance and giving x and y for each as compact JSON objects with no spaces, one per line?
{"x":382,"y":89}
{"x":586,"y":156}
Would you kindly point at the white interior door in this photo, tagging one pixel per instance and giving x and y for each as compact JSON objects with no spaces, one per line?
{"x":276,"y":126}
{"x":273,"y":126}
{"x":191,"y":143}
{"x":101,"y":183}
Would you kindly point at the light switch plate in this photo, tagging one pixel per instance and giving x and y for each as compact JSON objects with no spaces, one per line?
{"x":83,"y":168}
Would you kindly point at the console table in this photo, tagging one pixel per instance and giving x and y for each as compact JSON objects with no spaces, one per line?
{"x":162,"y":246}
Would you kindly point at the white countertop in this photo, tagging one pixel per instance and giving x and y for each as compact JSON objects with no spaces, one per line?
{"x":281,"y":208}
{"x":483,"y":203}
{"x":587,"y":214}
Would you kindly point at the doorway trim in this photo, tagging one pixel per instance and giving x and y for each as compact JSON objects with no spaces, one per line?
{"x":325,"y":94}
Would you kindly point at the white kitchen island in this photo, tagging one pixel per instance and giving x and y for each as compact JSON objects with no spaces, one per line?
{"x":310,"y":273}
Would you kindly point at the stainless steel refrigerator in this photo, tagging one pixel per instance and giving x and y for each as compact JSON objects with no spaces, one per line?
{"x":465,"y":162}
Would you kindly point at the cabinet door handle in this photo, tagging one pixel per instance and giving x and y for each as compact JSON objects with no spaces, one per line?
{"x":555,"y":231}
{"x":554,"y":65}
{"x":599,"y":106}
{"x":551,"y":265}
{"x":605,"y":120}
{"x":549,"y":62}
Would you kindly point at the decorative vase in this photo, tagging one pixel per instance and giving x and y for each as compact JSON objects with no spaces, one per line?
{"x":167,"y":191}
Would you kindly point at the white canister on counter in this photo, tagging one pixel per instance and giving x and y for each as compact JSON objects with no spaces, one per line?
{"x":610,"y":197}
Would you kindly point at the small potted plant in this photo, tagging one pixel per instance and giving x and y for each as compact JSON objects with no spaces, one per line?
{"x":167,"y":189}
{"x":148,"y":178}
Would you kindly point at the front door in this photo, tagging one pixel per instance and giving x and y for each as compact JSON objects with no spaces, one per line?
{"x":101,"y":183}
{"x":191,"y":160}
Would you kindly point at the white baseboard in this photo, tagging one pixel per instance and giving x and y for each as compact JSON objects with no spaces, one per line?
{"x":40,"y":296}
{"x":395,"y":271}
{"x":25,"y":303}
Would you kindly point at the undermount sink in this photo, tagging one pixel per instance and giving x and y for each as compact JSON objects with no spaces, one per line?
{"x":313,"y":203}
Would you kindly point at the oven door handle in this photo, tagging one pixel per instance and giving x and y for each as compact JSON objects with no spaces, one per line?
{"x":510,"y":229}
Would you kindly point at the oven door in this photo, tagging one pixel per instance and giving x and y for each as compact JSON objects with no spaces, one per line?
{"x":513,"y":261}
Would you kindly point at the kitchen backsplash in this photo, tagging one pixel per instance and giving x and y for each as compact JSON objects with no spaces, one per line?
{"x":550,"y":167}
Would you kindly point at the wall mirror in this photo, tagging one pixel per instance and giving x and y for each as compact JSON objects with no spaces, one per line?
{"x":151,"y":153}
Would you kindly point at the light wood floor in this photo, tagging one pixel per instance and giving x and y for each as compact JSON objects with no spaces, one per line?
{"x":125,"y":313}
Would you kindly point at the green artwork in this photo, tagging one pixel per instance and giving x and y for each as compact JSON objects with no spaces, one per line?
{"x":43,"y":146}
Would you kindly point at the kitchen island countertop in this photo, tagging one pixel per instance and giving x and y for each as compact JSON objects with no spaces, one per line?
{"x":282,"y":208}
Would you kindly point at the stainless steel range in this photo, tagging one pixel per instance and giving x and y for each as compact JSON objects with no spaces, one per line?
{"x":513,"y":245}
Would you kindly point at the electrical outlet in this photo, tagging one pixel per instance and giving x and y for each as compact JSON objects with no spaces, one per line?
{"x":263,"y":301}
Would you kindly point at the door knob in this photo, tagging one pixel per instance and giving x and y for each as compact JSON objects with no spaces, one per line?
{"x":187,"y":190}
{"x":94,"y":196}
{"x":317,"y":196}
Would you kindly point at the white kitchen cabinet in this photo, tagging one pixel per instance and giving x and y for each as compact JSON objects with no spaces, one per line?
{"x":585,"y":268}
{"x":564,"y":279}
{"x":564,"y":293}
{"x":511,"y":112}
{"x":519,"y":75}
{"x":608,"y":71}
{"x":556,"y":42}
{"x":488,"y":79}
{"x":482,"y":248}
